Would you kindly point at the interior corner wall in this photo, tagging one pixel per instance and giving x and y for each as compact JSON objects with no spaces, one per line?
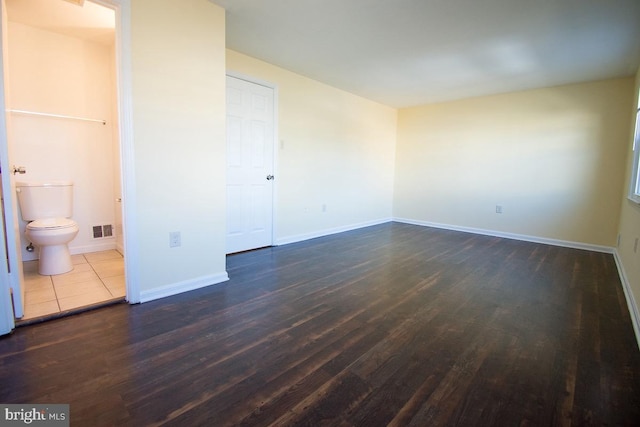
{"x":629,"y":257}
{"x":335,"y":159}
{"x":551,"y":158}
{"x":178,"y":102}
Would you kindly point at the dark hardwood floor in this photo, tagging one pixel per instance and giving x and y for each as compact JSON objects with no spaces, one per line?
{"x":389,"y":325}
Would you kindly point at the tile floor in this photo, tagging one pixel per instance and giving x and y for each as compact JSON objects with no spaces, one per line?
{"x":96,"y":277}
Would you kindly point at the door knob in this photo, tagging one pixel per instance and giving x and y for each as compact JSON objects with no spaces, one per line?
{"x":270,"y":177}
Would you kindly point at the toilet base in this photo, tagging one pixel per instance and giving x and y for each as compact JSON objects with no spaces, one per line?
{"x":54,"y":259}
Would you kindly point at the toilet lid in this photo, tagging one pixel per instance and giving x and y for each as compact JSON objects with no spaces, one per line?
{"x":48,"y":223}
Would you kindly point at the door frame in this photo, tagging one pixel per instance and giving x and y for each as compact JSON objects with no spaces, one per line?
{"x":276,"y":142}
{"x":122,"y":10}
{"x":12,"y":269}
{"x":6,"y":304}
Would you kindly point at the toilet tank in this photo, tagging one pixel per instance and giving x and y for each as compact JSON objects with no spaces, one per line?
{"x":48,"y":199}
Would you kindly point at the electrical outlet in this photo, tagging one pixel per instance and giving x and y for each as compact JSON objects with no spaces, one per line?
{"x":174,"y":239}
{"x":498,"y":209}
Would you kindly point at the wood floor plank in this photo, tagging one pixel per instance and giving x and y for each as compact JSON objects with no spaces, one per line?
{"x":393,"y":324}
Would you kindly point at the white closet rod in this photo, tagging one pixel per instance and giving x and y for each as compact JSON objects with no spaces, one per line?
{"x":33,"y":113}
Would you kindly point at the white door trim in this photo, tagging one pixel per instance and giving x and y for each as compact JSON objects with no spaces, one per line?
{"x":8,"y":240}
{"x":276,"y":145}
{"x":127,"y":159}
{"x":6,"y":305}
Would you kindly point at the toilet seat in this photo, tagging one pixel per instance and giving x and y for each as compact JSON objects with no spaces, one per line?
{"x":51,"y":224}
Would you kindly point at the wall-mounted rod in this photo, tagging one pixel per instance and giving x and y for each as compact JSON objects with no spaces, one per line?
{"x":60,"y":116}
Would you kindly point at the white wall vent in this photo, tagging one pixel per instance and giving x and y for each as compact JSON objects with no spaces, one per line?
{"x":102,"y":231}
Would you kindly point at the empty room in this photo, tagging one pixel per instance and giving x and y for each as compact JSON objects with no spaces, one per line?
{"x":349,"y":213}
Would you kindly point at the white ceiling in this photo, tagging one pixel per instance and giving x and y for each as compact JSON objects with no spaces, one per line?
{"x":411,"y":52}
{"x":90,"y":21}
{"x":408,"y":52}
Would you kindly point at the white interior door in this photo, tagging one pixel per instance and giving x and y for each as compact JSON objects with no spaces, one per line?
{"x":6,"y":278}
{"x":250,"y":175}
{"x":14,"y":291}
{"x":11,"y":233}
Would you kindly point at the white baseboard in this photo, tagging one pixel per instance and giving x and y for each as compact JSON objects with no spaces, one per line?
{"x":327,"y":232}
{"x":523,"y":237}
{"x":105,"y":245}
{"x":180,"y":287}
{"x":628,"y":294}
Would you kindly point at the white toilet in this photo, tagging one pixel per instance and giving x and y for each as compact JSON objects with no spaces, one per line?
{"x":49,"y":206}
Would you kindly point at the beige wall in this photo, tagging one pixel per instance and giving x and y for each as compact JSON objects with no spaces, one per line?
{"x":178,"y":93}
{"x":334,"y":149}
{"x":630,"y":219}
{"x":550,"y":157}
{"x":54,"y":73}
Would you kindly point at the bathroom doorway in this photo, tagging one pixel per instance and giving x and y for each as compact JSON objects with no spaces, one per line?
{"x":61,"y":97}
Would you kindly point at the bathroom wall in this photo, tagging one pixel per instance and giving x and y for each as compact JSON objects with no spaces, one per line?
{"x":117,"y":171}
{"x":54,"y":73}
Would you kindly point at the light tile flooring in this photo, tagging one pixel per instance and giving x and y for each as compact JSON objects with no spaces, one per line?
{"x":96,"y":277}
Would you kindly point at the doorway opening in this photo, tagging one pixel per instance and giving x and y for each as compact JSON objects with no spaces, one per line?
{"x":61,"y":97}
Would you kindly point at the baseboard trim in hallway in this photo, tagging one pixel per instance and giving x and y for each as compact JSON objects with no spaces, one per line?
{"x":628,"y":294}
